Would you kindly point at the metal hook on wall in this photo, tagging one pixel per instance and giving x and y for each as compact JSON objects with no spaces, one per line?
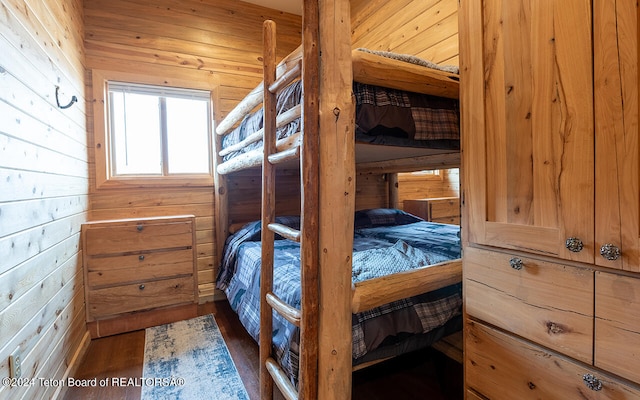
{"x":73,"y":99}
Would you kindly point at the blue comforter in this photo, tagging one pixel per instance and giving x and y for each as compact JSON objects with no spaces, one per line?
{"x":385,"y":241}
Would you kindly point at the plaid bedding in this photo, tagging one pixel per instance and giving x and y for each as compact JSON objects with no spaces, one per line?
{"x":383,"y":116}
{"x":405,"y":114}
{"x":379,"y":249}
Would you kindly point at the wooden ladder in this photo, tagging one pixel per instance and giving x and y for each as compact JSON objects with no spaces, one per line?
{"x":307,"y":153}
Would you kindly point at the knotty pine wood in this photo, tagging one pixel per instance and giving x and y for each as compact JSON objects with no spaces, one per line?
{"x":527,"y":301}
{"x":337,"y":177}
{"x":417,"y":186}
{"x":427,"y":29}
{"x":503,"y":367}
{"x":617,"y":180}
{"x":223,"y":39}
{"x":519,"y":189}
{"x":44,"y":197}
{"x":617,"y":324}
{"x":422,"y":374}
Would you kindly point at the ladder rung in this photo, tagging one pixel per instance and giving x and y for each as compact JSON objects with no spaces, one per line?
{"x":289,"y":313}
{"x":287,"y":77}
{"x":285,"y":155}
{"x":281,"y":380}
{"x":285,"y":231}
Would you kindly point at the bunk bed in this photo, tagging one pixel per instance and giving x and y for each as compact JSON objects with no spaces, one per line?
{"x":386,"y":242}
{"x":439,"y":276}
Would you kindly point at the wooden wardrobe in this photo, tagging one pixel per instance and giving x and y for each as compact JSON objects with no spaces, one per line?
{"x":551,"y":198}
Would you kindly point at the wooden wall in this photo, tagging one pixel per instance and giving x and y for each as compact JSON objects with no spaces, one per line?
{"x":190,"y":40}
{"x":425,"y":28}
{"x":44,"y":192}
{"x":411,"y":186}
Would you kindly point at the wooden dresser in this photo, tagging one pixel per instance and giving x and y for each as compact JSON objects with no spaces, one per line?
{"x":445,"y":210}
{"x":551,"y":189}
{"x":139,"y":272}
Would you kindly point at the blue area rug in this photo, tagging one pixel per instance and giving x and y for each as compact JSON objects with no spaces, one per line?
{"x":189,"y":360}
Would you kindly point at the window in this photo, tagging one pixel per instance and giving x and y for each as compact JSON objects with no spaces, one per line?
{"x":429,"y":174}
{"x":151,"y":134}
{"x":158,"y":131}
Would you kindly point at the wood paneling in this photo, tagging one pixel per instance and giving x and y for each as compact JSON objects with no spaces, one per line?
{"x":421,"y":186}
{"x":424,"y":28}
{"x":44,"y":196}
{"x":219,"y":42}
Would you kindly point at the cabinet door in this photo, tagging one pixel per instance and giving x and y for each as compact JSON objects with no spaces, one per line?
{"x":527,"y":123}
{"x":616,"y":115}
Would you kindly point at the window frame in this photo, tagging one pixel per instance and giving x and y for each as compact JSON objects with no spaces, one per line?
{"x":102,"y":141}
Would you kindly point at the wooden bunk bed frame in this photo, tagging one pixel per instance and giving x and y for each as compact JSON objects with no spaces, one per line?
{"x":326,"y":152}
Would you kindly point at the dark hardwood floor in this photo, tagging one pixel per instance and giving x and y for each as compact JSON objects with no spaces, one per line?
{"x":424,"y":374}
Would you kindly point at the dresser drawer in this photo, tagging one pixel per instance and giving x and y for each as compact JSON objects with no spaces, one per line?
{"x":120,"y":270}
{"x":444,"y":208}
{"x":453,"y":220}
{"x":548,"y":303}
{"x":617,"y":338}
{"x":140,"y":296}
{"x":503,"y":367}
{"x":137,"y":236}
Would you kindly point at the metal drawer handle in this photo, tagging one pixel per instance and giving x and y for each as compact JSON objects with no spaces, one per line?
{"x":610,"y":251}
{"x":141,"y":287}
{"x":516,"y":263}
{"x":141,"y":257}
{"x":140,"y":227}
{"x":592,"y":382}
{"x":574,"y":244}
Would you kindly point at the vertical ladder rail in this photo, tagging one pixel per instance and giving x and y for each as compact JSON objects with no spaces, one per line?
{"x":307,"y":317}
{"x":268,"y":209}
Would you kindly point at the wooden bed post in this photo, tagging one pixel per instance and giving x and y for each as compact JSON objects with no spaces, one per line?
{"x":394,"y":197}
{"x":309,"y":207}
{"x":337,"y":199}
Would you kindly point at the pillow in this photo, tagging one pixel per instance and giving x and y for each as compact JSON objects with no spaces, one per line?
{"x":375,"y":217}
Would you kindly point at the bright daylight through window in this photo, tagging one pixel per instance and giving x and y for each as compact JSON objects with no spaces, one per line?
{"x":159,"y":131}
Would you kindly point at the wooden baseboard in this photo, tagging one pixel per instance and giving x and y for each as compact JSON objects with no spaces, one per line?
{"x":141,"y":320}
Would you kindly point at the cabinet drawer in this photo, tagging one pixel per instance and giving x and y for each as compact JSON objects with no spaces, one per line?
{"x":140,"y":296}
{"x":141,"y":236}
{"x":617,"y":342}
{"x":110,"y":271}
{"x":548,"y":303}
{"x":503,"y":367}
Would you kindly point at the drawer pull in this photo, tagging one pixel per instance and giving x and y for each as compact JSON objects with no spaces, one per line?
{"x":516,"y":263}
{"x":574,"y":244}
{"x":141,"y":287}
{"x":140,"y":227}
{"x":592,"y":382}
{"x":610,"y":251}
{"x":141,"y":257}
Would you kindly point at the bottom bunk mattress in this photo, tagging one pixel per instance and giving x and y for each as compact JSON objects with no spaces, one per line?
{"x":385,"y":242}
